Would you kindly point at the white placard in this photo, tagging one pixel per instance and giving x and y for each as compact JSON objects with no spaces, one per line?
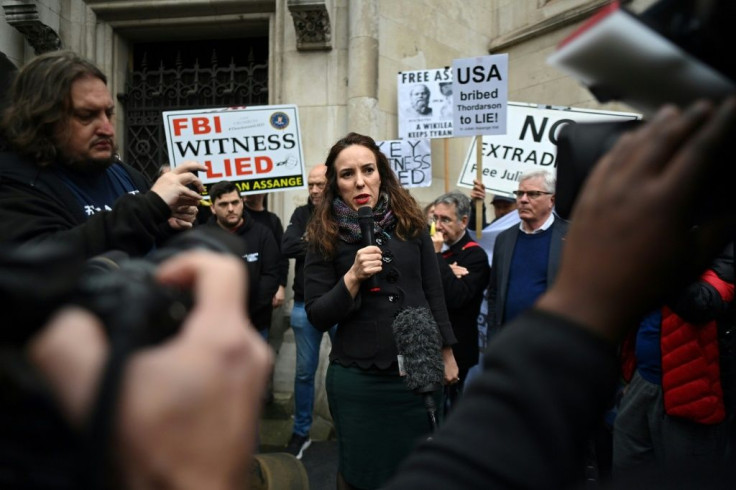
{"x":480,"y":88}
{"x":425,"y":103}
{"x":258,"y":148}
{"x":531,"y":144}
{"x":411,"y":161}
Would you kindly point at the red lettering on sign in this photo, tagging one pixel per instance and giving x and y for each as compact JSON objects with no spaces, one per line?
{"x":179,"y":124}
{"x":263,"y":165}
{"x":243,"y":166}
{"x":240,"y":166}
{"x":209,"y":172}
{"x":201,"y":125}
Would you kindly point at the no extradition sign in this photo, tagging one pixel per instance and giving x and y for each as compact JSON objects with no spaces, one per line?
{"x":480,"y":94}
{"x":258,"y":148}
{"x":529,"y":145}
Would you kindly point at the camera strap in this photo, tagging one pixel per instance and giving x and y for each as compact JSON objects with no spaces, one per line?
{"x":99,"y":435}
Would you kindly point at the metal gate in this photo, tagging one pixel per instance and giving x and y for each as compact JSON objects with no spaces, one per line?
{"x":175,"y":76}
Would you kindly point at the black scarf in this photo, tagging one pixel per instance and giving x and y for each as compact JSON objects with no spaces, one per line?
{"x":347,"y":219}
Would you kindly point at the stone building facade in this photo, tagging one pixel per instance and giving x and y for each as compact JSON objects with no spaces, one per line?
{"x":336,"y":60}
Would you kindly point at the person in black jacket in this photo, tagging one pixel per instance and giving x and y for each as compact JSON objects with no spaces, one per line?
{"x":308,"y":338}
{"x":63,"y":181}
{"x":261,"y":253}
{"x":378,"y":420}
{"x":255,"y":204}
{"x":465,"y":272}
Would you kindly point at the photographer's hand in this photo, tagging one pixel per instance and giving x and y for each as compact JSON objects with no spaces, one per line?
{"x":189,"y":407}
{"x":71,"y":352}
{"x":631,"y":238}
{"x":183,"y":217}
{"x":172,"y":186}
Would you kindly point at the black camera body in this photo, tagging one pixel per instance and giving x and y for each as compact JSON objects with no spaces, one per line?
{"x":36,"y":280}
{"x":133,"y":307}
{"x":579,"y":147}
{"x":700,"y":28}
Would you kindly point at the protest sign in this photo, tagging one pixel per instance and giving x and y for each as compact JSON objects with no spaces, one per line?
{"x":530,"y":144}
{"x":425,"y":103}
{"x":258,"y":148}
{"x":480,"y":88}
{"x":411,"y":161}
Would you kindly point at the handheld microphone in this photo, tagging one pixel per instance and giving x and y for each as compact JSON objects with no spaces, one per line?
{"x":419,"y":344}
{"x":365,"y":219}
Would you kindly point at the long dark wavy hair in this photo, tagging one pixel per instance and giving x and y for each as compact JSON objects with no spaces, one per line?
{"x":322,"y":231}
{"x":40,"y":100}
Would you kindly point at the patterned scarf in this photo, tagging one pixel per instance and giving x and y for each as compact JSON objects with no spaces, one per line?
{"x":347,"y":219}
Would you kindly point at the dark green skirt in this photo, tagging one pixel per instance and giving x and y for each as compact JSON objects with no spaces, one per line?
{"x":378,"y":422}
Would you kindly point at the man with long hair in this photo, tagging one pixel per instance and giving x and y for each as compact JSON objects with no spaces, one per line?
{"x":62,"y":179}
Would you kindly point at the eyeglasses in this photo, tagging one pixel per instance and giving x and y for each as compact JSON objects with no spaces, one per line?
{"x":531,"y":194}
{"x":444,"y":220}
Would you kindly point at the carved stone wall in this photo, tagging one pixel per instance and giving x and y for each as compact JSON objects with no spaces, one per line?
{"x":312,"y":24}
{"x":23,"y":15}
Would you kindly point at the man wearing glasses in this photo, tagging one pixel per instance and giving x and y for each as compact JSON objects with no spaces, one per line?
{"x":464,"y":270}
{"x":526,"y":258}
{"x":308,"y":338}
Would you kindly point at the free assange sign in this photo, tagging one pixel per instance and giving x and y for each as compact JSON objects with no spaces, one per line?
{"x":480,"y":95}
{"x":425,"y":103}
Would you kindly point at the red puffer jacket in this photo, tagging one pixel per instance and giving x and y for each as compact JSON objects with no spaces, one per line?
{"x":691,"y":375}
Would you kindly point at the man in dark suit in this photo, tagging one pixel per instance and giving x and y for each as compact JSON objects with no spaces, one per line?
{"x":464,"y":270}
{"x":526,"y":258}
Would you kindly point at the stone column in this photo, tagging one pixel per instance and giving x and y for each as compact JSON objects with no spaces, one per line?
{"x":362,"y":100}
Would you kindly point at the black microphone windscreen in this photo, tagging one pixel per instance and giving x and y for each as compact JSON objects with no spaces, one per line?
{"x":418,"y":341}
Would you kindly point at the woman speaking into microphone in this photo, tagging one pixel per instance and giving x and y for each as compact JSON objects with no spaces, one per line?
{"x":361,"y":287}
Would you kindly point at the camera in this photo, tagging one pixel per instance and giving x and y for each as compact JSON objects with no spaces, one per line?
{"x":40,"y":447}
{"x":36,"y":280}
{"x":123,"y":293}
{"x":679,"y":59}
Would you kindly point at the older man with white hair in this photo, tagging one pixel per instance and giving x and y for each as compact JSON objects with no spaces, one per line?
{"x":526,"y":258}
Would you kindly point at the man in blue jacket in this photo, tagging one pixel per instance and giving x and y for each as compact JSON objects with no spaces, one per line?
{"x":308,"y":338}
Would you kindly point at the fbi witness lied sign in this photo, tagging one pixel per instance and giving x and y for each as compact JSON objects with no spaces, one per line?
{"x":258,"y":148}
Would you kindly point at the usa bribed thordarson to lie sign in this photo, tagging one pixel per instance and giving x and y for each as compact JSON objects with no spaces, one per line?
{"x":258,"y":148}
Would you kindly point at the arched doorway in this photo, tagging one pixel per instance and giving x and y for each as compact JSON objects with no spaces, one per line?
{"x":187,"y":75}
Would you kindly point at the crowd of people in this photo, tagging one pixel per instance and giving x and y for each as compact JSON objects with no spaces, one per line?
{"x":631,"y":285}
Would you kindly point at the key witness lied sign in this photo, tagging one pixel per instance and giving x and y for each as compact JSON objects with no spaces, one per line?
{"x":258,"y":148}
{"x":411,"y":161}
